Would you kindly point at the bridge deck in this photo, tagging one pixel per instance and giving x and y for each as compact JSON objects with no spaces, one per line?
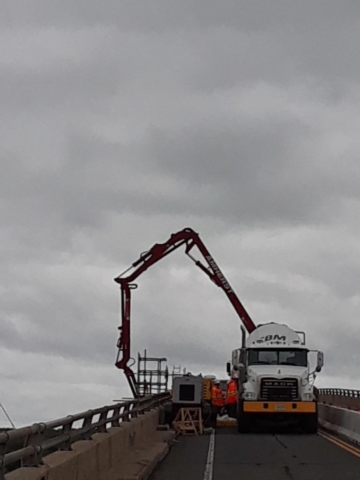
{"x":259,"y":456}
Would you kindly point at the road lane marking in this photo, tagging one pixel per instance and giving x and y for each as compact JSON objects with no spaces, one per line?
{"x":345,"y":446}
{"x":208,"y":475}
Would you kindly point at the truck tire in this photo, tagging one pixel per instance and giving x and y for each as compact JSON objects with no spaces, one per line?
{"x":310,"y":424}
{"x":243,"y":419}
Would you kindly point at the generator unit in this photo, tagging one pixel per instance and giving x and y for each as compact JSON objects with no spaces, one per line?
{"x":189,"y":391}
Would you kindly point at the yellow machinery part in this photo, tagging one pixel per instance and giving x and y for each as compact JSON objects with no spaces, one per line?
{"x":207,"y":386}
{"x":280,"y":407}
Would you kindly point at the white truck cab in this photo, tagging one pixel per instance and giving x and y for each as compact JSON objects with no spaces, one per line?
{"x":274,"y":378}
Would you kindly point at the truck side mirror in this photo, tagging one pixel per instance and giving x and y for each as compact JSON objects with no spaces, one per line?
{"x":242,"y":356}
{"x":228,"y":368}
{"x":242,"y":373}
{"x":320,"y":362}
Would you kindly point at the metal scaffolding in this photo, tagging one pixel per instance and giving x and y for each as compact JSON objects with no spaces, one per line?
{"x":152,"y":375}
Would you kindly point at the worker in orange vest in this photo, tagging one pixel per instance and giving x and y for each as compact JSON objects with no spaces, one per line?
{"x":217,"y":398}
{"x":231,"y":398}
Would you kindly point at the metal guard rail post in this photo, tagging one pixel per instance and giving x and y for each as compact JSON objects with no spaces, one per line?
{"x":341,"y":392}
{"x":36,"y":443}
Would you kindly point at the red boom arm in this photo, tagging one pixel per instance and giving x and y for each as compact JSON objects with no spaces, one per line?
{"x":186,"y":237}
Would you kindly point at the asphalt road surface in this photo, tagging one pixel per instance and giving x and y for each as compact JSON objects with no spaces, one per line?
{"x":259,"y":456}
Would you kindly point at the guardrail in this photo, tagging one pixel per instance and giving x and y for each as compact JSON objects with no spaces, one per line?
{"x":29,"y":444}
{"x":341,"y":392}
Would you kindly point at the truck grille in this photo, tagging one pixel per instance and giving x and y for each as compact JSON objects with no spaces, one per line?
{"x":285,"y":389}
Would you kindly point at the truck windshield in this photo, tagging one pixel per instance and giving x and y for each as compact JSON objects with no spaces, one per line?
{"x":296,"y":358}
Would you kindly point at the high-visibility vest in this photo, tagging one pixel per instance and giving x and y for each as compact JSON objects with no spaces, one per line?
{"x":231,"y":392}
{"x":217,"y":396}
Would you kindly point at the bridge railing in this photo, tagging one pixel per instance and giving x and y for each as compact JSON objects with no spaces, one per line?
{"x":340,"y":392}
{"x":28,"y":445}
{"x":340,"y":397}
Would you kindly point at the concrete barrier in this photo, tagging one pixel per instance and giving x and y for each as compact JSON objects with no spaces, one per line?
{"x":340,"y":400}
{"x":127,"y":452}
{"x":342,"y":421}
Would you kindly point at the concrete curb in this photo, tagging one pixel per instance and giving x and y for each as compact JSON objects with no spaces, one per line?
{"x":143,"y":461}
{"x":345,"y":423}
{"x":128,"y":452}
{"x":148,"y":466}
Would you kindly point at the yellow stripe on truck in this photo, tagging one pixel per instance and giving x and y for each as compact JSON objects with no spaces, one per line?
{"x":280,"y":407}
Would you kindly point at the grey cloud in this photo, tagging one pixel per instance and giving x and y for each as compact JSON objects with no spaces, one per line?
{"x":251,"y":173}
{"x":161,"y":14}
{"x":123,"y":122}
{"x":237,"y":175}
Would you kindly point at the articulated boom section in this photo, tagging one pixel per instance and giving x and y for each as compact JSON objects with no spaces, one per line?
{"x":190,"y":239}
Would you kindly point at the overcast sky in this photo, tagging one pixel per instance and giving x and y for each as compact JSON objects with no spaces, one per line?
{"x":122,"y":122}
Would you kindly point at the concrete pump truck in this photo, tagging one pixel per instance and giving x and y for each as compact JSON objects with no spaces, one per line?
{"x":274,"y":378}
{"x":271,"y":368}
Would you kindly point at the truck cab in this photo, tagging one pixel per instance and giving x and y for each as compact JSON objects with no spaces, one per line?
{"x":275,"y":382}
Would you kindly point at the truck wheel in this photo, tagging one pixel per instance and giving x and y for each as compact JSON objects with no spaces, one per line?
{"x":243,"y":420}
{"x":310,"y":424}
